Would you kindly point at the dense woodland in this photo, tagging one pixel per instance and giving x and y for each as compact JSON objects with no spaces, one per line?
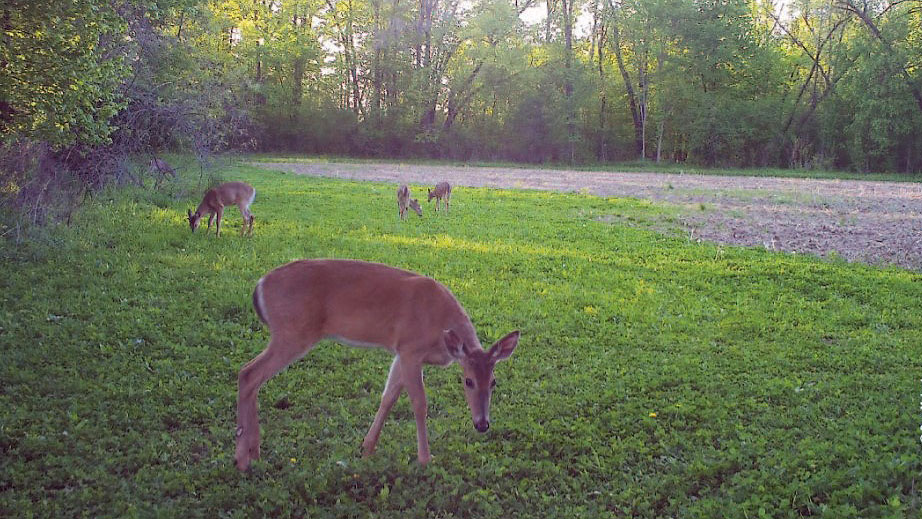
{"x":88,"y":86}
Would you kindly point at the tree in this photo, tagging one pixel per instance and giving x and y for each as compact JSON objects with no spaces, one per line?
{"x":867,"y":12}
{"x":61,"y":65}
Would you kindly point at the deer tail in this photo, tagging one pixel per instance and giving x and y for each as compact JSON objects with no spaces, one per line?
{"x":257,"y":302}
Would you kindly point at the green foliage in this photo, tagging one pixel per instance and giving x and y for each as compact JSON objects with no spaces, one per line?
{"x":731,"y":83}
{"x":60,"y":68}
{"x":883,"y":119}
{"x":656,"y":377}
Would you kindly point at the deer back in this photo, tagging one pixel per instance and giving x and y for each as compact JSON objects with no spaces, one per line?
{"x":441,"y":190}
{"x":229,"y":193}
{"x":365,"y":304}
{"x":160,"y":165}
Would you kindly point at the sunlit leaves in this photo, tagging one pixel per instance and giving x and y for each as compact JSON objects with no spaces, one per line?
{"x":62,"y":66}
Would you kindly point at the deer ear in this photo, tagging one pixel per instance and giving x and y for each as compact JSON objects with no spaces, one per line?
{"x":453,"y":343}
{"x":504,"y":347}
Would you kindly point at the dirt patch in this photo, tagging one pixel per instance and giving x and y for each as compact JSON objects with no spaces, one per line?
{"x":873,"y":222}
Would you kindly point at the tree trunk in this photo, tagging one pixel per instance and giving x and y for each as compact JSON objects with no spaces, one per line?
{"x":601,"y":151}
{"x":628,"y":86}
{"x":567,"y":9}
{"x":353,"y":67}
{"x":376,"y":73}
{"x":547,"y":21}
{"x":182,"y":16}
{"x":455,"y":104}
{"x":644,"y":79}
{"x":297,"y":90}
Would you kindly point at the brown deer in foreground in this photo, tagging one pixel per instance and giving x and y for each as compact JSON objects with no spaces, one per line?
{"x":370,"y":305}
{"x":404,"y":201}
{"x":240,"y":194}
{"x":442,"y":190}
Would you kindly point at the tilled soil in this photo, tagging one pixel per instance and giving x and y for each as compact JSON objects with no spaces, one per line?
{"x":873,"y":222}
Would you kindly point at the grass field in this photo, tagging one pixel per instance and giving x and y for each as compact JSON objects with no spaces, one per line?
{"x":655,"y":377}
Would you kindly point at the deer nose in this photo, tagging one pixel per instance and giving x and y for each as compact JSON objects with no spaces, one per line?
{"x":482,"y":426}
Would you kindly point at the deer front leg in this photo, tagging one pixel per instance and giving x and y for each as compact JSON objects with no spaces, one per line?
{"x":412,"y":375}
{"x":392,"y":390}
{"x":210,"y":221}
{"x":219,"y":213}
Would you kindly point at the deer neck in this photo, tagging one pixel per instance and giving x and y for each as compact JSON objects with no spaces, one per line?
{"x":204,"y":208}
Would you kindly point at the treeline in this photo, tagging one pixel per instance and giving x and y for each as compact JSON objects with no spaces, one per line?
{"x":88,"y":87}
{"x":828,"y":84}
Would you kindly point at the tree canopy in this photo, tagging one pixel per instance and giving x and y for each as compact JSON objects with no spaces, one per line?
{"x":824,"y":84}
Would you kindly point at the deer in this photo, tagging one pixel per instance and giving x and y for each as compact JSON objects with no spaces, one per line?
{"x":161,"y":169}
{"x":216,"y":199}
{"x":357,"y":303}
{"x":404,"y":201}
{"x":442,"y":190}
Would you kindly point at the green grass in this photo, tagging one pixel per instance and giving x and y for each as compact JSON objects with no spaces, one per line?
{"x":655,"y":377}
{"x":629,"y":166}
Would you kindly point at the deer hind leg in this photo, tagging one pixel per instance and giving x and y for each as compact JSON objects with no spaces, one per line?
{"x":278,"y":355}
{"x":247,"y":220}
{"x":392,"y":390}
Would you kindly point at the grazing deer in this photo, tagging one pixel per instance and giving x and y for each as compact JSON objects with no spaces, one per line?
{"x":240,"y":194}
{"x":442,"y":190}
{"x":404,"y":201}
{"x":371,"y":305}
{"x":161,"y":169}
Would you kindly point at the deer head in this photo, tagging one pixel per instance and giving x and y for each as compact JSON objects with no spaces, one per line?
{"x":194,"y":219}
{"x":414,"y":205}
{"x":477,"y":365}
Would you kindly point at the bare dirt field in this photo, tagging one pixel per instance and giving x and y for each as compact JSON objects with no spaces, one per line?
{"x":873,"y":222}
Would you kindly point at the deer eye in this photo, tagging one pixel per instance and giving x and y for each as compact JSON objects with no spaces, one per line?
{"x":469,"y":383}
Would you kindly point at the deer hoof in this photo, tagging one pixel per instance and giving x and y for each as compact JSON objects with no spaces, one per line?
{"x":243,"y":461}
